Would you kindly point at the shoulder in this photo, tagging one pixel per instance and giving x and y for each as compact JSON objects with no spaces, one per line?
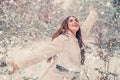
{"x":61,"y":38}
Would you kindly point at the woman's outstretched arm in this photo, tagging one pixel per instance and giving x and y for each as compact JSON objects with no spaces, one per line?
{"x":44,"y":53}
{"x":88,"y":23}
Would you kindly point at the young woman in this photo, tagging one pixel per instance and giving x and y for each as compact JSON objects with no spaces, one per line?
{"x":66,"y":48}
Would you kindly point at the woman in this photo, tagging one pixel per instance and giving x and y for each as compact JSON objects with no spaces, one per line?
{"x":67,"y":49}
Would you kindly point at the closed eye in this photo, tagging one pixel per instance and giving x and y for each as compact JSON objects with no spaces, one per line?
{"x":76,"y":20}
{"x":71,"y":20}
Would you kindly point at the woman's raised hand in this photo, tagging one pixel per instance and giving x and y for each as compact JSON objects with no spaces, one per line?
{"x":14,"y":67}
{"x":91,"y":8}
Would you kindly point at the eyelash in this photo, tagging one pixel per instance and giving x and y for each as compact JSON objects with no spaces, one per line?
{"x":71,"y":20}
{"x":76,"y":20}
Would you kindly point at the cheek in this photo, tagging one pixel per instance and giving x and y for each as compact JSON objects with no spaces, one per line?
{"x":70,"y":25}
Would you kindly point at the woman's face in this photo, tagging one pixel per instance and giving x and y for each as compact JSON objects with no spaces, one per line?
{"x":73,"y":24}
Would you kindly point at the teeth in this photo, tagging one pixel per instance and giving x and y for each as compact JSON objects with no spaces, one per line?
{"x":75,"y":25}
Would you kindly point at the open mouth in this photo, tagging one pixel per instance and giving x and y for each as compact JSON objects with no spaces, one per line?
{"x":75,"y":25}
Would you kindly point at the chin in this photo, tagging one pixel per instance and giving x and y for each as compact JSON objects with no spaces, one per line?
{"x":76,"y":29}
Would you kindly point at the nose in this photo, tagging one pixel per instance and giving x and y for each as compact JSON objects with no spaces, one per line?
{"x":75,"y":22}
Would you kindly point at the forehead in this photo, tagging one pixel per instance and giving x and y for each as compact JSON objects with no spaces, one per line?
{"x":71,"y":18}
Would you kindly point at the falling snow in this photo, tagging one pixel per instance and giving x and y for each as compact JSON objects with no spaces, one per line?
{"x":25,"y":25}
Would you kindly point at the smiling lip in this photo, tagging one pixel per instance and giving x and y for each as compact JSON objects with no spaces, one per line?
{"x":75,"y":25}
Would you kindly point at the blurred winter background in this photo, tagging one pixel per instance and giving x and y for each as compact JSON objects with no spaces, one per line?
{"x":25,"y":25}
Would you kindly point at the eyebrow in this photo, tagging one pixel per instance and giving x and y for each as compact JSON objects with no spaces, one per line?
{"x":73,"y":19}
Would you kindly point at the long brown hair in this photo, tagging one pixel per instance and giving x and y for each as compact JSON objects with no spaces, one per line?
{"x":63,"y":28}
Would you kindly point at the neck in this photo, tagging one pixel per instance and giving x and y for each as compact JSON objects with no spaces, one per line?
{"x":74,"y":33}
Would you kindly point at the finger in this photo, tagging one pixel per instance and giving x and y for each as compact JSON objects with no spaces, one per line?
{"x":10,"y":62}
{"x":10,"y":72}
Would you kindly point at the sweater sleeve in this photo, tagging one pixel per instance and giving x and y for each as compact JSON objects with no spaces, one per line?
{"x":44,"y":53}
{"x":87,"y":25}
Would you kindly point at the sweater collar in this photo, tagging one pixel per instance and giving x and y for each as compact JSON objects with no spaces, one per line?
{"x":70,"y":34}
